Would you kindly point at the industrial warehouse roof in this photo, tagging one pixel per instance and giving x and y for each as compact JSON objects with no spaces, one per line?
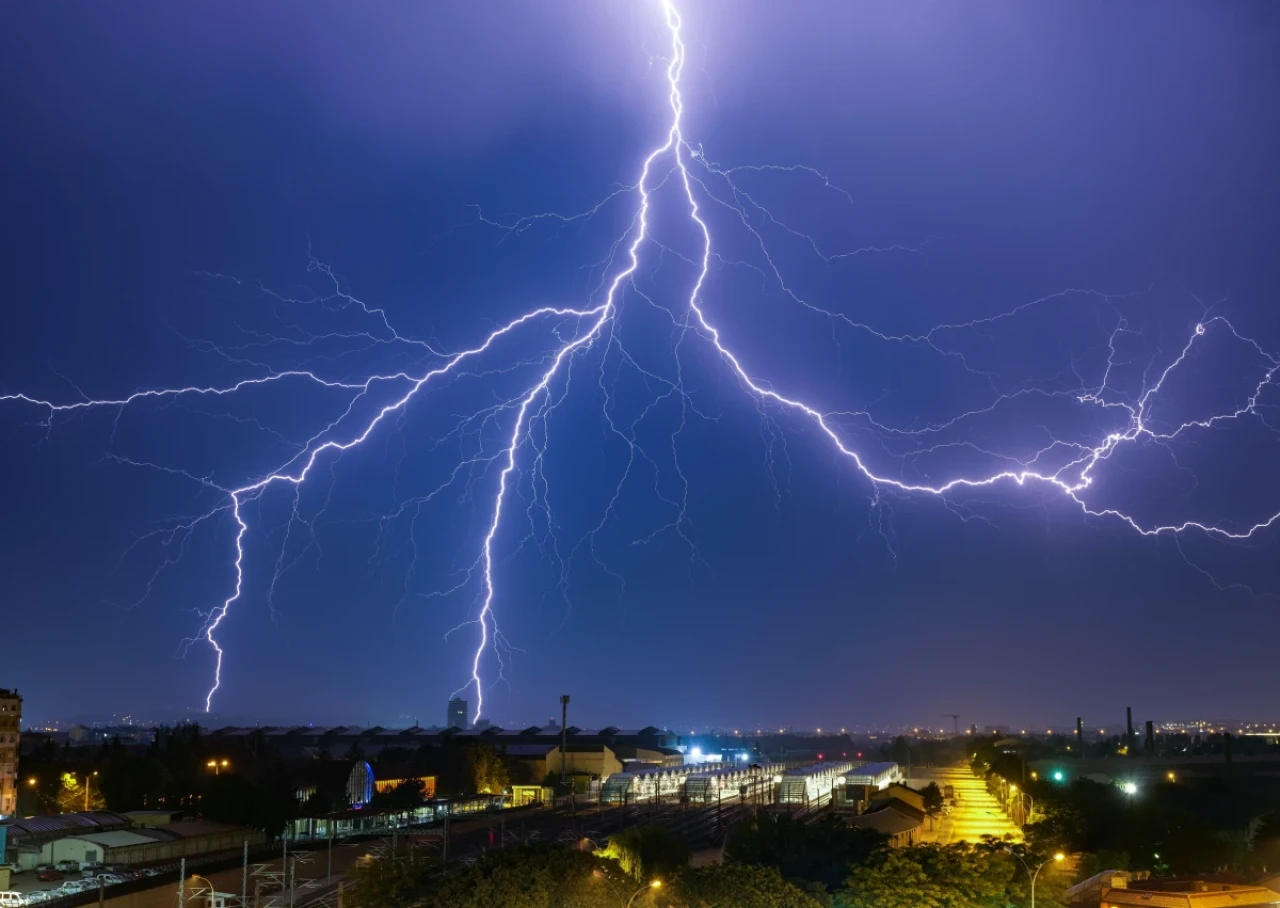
{"x":123,"y":838}
{"x":890,"y":821}
{"x":530,"y":750}
{"x":64,"y":823}
{"x":186,"y":829}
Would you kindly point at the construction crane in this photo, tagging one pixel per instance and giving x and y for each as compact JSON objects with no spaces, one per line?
{"x":955,"y":719}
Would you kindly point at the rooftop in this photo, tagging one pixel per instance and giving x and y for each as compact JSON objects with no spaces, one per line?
{"x":1196,"y":894}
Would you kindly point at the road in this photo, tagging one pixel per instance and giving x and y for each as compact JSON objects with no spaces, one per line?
{"x":976,"y":812}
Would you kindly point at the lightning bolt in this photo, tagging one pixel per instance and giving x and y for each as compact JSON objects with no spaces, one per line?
{"x":577,"y":329}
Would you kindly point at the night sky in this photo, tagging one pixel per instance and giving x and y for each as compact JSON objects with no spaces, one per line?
{"x":181,"y":181}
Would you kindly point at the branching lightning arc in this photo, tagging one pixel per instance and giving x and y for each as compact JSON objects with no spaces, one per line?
{"x":1066,"y":468}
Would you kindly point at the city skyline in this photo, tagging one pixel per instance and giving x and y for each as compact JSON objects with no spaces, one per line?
{"x":986,"y":435}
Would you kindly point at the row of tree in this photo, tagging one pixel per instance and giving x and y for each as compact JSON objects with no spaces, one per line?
{"x":183,"y":770}
{"x":1176,"y":827}
{"x":648,"y":865}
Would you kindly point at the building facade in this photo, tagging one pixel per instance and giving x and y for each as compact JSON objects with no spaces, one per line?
{"x":457,"y":714}
{"x":10,"y":728}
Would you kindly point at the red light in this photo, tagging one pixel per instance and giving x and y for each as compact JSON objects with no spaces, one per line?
{"x":844,"y":754}
{"x":859,"y":754}
{"x":819,"y":756}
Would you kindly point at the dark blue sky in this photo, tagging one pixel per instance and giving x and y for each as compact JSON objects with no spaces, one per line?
{"x":1024,"y":150}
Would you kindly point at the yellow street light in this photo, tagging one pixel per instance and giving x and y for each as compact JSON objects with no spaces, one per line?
{"x":1059,"y":856}
{"x":31,"y":781}
{"x":653,"y":884}
{"x":1013,"y":787}
{"x":1172,"y":777}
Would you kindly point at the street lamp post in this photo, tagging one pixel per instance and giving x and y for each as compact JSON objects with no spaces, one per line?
{"x":218,"y":765}
{"x":654,"y":884}
{"x":88,"y":780}
{"x":1057,"y":858}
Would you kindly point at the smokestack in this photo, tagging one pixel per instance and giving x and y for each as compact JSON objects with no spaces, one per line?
{"x":564,"y":733}
{"x":1151,"y":739}
{"x":1080,"y":736}
{"x":1128,"y":721}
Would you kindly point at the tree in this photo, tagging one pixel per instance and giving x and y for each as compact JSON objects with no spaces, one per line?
{"x":410,"y":793}
{"x":901,"y":752}
{"x":391,"y":882}
{"x":931,"y":876}
{"x":532,"y":877}
{"x":229,"y":798}
{"x":722,"y":885}
{"x":933,"y":801}
{"x":646,"y":852}
{"x":820,"y":852}
{"x":317,"y":805}
{"x":73,"y":796}
{"x":488,"y":770}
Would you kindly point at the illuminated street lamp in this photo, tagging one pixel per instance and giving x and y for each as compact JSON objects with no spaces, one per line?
{"x":654,"y":884}
{"x":1171,"y":776}
{"x":1129,"y":788}
{"x":88,"y":779}
{"x":1056,"y":859}
{"x":218,"y":765}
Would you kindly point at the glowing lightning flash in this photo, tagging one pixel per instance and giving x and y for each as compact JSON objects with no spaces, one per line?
{"x":594,"y":322}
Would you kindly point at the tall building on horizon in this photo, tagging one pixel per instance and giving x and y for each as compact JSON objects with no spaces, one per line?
{"x":457,"y":714}
{"x":10,"y":728}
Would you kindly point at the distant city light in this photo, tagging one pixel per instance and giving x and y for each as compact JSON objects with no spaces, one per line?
{"x":1130,"y":788}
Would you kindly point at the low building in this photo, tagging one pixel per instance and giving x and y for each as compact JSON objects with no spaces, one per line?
{"x":1187,"y":894}
{"x":899,"y":821}
{"x":150,"y":845}
{"x":594,"y":761}
{"x":897,"y":791}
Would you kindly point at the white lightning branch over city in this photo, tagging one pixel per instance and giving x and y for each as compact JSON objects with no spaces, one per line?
{"x":1066,"y":468}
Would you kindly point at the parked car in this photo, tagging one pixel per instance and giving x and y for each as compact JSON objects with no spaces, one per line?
{"x":12,"y":900}
{"x":13,"y":868}
{"x":45,"y":876}
{"x":67,"y":866}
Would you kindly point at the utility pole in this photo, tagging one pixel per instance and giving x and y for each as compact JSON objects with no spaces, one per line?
{"x":182,"y":883}
{"x":244,"y":876}
{"x":564,"y":733}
